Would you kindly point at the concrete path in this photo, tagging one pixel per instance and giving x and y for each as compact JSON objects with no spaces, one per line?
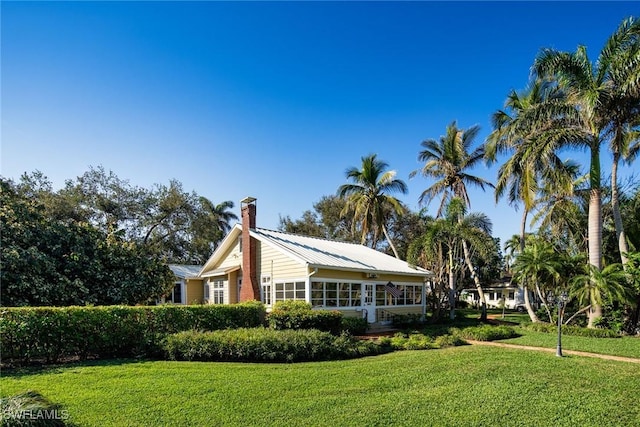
{"x":553,"y":350}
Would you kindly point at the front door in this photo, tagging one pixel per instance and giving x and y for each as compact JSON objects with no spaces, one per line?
{"x":369,"y":302}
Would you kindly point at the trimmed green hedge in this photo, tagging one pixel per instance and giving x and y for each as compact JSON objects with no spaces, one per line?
{"x":571,"y":330}
{"x":49,"y":334}
{"x":265,"y":345}
{"x":486,"y":333}
{"x":299,"y":315}
{"x":354,"y":325}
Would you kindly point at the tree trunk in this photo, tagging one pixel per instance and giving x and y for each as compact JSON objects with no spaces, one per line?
{"x":386,"y":235}
{"x":476,"y":281}
{"x":615,"y":206}
{"x":452,"y":288}
{"x":544,"y":302}
{"x":595,"y":222}
{"x":582,"y":310}
{"x":527,"y":303}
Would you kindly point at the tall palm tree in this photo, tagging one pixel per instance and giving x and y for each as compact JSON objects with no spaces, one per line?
{"x":448,"y":160}
{"x":585,"y":116}
{"x":368,"y":198}
{"x":624,"y":127}
{"x":596,"y":286}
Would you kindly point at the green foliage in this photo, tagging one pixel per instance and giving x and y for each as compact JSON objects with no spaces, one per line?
{"x":405,"y":321}
{"x":354,"y":325}
{"x":49,"y":334}
{"x":46,"y":261}
{"x":486,"y":333}
{"x":571,"y":330}
{"x":299,"y":315}
{"x":31,"y":409}
{"x":264,"y":345}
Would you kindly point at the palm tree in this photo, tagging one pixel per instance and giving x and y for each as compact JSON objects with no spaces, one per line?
{"x":596,"y":286}
{"x":368,"y":199}
{"x":538,"y":262}
{"x":220,"y":213}
{"x":448,"y":236}
{"x":583,"y":118}
{"x":624,"y":128}
{"x":448,"y":160}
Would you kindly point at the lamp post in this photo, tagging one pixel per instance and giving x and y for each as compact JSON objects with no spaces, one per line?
{"x":560,"y":300}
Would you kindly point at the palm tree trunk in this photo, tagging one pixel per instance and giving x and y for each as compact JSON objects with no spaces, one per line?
{"x":527,"y":303}
{"x":595,"y":222}
{"x":386,"y":235}
{"x":546,"y":306}
{"x":452,"y":288}
{"x":615,"y":206}
{"x":582,"y":310}
{"x":476,"y":281}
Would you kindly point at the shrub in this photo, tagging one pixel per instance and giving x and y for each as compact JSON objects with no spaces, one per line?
{"x":354,"y":325}
{"x":407,"y":320}
{"x":443,"y":341}
{"x":299,"y":315}
{"x":49,"y":334}
{"x":42,"y":412}
{"x":264,"y":345}
{"x":486,"y":333}
{"x":571,"y":330}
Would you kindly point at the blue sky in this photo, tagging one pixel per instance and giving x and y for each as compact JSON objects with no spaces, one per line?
{"x":272,"y":100}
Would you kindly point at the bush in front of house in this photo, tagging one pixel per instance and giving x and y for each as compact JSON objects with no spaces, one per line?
{"x":572,"y":330}
{"x":354,"y":325}
{"x":265,"y":345}
{"x":49,"y":334}
{"x":299,"y":315}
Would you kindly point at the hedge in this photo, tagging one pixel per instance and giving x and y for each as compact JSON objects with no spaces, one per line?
{"x":265,"y":345}
{"x":299,"y":315}
{"x":49,"y":334}
{"x":571,"y":330}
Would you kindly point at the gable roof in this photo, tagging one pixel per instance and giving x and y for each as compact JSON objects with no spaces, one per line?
{"x":321,"y":253}
{"x":185,"y":271}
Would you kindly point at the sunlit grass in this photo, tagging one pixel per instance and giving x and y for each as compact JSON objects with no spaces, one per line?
{"x":456,"y":386}
{"x":624,"y":346}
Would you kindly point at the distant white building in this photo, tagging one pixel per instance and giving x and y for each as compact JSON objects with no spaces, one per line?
{"x":498,"y":293}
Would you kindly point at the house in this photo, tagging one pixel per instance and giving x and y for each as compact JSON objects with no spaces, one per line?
{"x":258,"y":264}
{"x":503,"y":291}
{"x":188,"y":287}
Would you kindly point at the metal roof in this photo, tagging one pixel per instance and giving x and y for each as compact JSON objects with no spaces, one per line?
{"x":324,"y":253}
{"x":185,"y":271}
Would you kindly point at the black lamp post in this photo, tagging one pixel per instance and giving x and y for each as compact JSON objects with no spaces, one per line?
{"x":560,"y":300}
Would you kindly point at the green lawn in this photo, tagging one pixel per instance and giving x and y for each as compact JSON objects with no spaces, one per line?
{"x":625,"y":346}
{"x":456,"y":386}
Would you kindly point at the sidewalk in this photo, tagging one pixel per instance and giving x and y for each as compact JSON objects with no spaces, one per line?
{"x":553,"y":350}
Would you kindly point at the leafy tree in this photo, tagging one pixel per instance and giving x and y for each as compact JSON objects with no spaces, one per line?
{"x":368,"y":199}
{"x":47,"y":261}
{"x":446,"y":237}
{"x":324,"y":221}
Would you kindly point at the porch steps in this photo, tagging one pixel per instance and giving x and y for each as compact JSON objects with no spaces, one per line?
{"x":376,"y":330}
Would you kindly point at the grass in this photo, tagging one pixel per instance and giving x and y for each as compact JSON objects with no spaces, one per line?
{"x":624,"y":346}
{"x":456,"y":386}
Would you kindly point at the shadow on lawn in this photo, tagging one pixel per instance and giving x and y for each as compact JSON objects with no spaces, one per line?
{"x":23,"y":371}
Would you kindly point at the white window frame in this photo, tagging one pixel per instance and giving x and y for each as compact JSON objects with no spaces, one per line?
{"x":266,"y":289}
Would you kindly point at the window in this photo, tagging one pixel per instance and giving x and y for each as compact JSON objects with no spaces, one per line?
{"x":334,"y":294}
{"x":511,"y":295}
{"x":290,"y":291}
{"x":176,"y":294}
{"x":206,"y":290}
{"x":266,"y":289}
{"x":217,"y":292}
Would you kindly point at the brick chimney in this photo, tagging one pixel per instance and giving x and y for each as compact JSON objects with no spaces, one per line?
{"x":249,"y":290}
